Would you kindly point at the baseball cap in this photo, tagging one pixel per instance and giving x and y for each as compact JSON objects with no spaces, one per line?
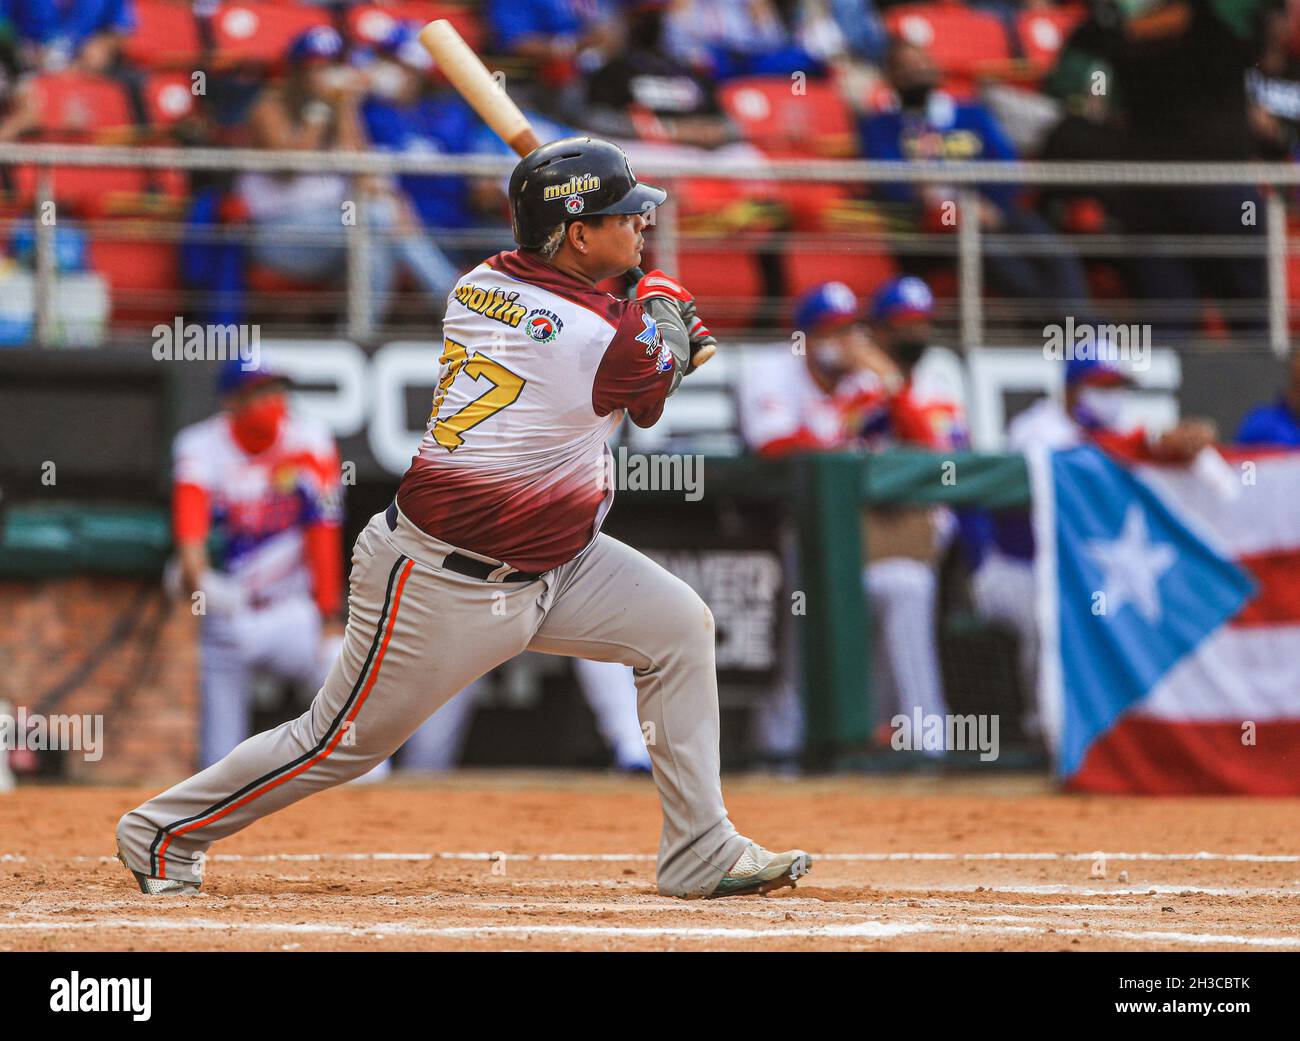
{"x":902,"y":298}
{"x":319,"y":43}
{"x":829,"y":304}
{"x":1094,"y":372}
{"x":236,"y":375}
{"x":402,"y":42}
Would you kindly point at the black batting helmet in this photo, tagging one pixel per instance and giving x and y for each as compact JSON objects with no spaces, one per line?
{"x":572,"y":178}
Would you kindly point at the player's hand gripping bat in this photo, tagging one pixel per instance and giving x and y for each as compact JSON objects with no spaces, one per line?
{"x":475,"y":84}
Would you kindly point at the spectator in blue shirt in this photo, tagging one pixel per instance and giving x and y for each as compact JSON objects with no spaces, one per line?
{"x":1278,"y":423}
{"x":863,"y":30}
{"x":89,"y":32}
{"x":736,"y":38}
{"x":929,"y":124}
{"x":401,"y":113}
{"x":557,"y":38}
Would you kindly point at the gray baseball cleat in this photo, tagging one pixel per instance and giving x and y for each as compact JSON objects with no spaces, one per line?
{"x":760,"y":871}
{"x":151,"y":886}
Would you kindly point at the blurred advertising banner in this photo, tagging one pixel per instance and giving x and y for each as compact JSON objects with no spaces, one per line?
{"x":1170,"y":612}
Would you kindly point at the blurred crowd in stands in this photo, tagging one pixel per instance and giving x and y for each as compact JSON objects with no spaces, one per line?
{"x":754,"y":79}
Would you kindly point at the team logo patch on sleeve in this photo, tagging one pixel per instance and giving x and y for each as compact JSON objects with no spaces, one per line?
{"x":542,"y":325}
{"x":649,"y":335}
{"x":665,"y":360}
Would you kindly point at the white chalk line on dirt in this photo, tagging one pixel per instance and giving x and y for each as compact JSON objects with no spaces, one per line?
{"x":873,"y":930}
{"x":777,"y":909}
{"x":1047,"y":889}
{"x":858,"y":930}
{"x":1157,"y":935}
{"x":1252,"y":858}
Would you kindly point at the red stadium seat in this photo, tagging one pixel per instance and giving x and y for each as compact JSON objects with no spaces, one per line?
{"x":77,"y":108}
{"x":811,"y":264}
{"x":811,"y":204}
{"x":727,"y":282}
{"x":962,"y":41}
{"x":166,"y":36}
{"x":1043,"y":33}
{"x":142,"y":274}
{"x":370,"y":22}
{"x":81,"y":189}
{"x":1293,"y":274}
{"x":168,"y":97}
{"x":782,"y":123}
{"x":75,"y":105}
{"x":260,"y":32}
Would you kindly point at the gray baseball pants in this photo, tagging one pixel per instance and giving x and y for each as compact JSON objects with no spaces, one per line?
{"x":416,"y":635}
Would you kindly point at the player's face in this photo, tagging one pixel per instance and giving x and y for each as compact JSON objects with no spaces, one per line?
{"x":905,"y":341}
{"x":613,"y":244}
{"x":831,"y":353}
{"x":912,"y":72}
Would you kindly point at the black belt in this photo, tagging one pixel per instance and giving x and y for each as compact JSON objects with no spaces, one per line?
{"x":464,"y":565}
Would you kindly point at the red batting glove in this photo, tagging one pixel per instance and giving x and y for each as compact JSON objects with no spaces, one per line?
{"x":657,"y":283}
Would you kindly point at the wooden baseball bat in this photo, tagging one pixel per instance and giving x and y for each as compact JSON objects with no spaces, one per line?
{"x":467,"y":73}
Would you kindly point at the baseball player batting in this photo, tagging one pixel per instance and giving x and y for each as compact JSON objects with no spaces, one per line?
{"x":493,"y":543}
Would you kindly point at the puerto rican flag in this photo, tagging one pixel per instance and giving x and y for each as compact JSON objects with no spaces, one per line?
{"x":1169,"y":607}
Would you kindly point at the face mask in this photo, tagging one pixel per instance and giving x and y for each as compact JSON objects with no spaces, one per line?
{"x":827,"y":360}
{"x":908,"y":352}
{"x":387,"y":79}
{"x":1099,"y":407}
{"x":257,"y":424}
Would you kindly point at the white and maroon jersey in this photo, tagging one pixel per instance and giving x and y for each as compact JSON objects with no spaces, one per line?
{"x":260,"y":506}
{"x":537,"y":371}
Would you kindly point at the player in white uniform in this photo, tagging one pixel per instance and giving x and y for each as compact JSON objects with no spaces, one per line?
{"x":854,"y":386}
{"x":266,"y":484}
{"x":493,"y":545}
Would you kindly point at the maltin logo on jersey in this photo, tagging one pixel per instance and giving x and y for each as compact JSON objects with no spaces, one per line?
{"x":542,"y":325}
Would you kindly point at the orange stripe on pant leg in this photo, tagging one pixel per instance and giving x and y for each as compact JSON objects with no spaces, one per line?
{"x":374,"y":675}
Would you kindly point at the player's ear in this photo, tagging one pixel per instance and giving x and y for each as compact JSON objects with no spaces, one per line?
{"x":576,"y":233}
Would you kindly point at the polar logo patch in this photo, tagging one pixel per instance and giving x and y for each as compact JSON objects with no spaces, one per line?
{"x":542,"y":325}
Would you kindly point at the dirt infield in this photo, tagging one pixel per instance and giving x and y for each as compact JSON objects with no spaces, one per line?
{"x":898,"y":864}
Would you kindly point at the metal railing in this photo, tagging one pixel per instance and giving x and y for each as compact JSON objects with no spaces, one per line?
{"x":965,"y":178}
